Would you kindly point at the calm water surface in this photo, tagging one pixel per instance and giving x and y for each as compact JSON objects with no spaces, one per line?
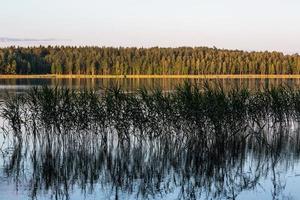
{"x":81,"y":168}
{"x":133,"y":84}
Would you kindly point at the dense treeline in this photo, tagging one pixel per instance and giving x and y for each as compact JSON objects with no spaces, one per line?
{"x":173,"y":61}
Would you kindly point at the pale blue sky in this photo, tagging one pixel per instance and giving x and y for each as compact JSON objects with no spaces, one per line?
{"x":234,"y":24}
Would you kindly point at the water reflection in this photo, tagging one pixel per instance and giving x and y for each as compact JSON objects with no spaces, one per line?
{"x":134,"y":84}
{"x":57,"y":143}
{"x":58,"y":162}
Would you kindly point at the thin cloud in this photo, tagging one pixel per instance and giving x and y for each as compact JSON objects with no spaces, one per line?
{"x":8,"y":39}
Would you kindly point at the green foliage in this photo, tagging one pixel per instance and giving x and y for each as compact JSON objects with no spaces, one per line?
{"x":167,"y":61}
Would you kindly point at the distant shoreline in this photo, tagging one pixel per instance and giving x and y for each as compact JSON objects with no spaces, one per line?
{"x":209,"y":76}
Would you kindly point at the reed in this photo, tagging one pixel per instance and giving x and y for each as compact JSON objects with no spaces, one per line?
{"x":201,"y":111}
{"x":196,"y":138}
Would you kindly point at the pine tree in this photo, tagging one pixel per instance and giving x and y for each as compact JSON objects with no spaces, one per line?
{"x":53,"y":69}
{"x":28,"y":70}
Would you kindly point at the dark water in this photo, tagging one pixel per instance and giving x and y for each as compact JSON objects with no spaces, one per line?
{"x":90,"y":163}
{"x":133,"y":84}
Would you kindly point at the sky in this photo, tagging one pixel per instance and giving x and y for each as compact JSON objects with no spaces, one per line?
{"x":232,"y":24}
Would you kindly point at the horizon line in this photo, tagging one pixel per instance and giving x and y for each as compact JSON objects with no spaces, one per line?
{"x":138,"y":47}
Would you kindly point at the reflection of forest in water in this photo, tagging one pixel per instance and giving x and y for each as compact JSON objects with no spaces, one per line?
{"x":133,"y":84}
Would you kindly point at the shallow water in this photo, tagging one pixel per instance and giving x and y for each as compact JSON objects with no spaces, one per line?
{"x":85,"y":166}
{"x":143,"y":171}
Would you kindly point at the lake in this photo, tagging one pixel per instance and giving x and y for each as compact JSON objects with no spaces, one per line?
{"x":60,"y":145}
{"x":134,"y":84}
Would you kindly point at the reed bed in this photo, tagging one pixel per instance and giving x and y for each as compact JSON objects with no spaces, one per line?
{"x":151,"y":142}
{"x":189,"y":111}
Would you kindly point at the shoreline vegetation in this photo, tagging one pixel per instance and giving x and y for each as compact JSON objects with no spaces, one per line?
{"x":199,"y":141}
{"x":212,"y":113}
{"x":144,"y":76}
{"x":202,"y":105}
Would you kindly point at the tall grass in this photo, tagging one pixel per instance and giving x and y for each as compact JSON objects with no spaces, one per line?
{"x":190,"y":110}
{"x":193,"y":137}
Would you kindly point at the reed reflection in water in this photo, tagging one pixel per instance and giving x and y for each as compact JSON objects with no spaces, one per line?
{"x":195,"y":143}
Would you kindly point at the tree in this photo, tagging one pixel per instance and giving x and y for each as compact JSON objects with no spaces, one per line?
{"x":13,"y":67}
{"x":107,"y":60}
{"x":77,"y":66}
{"x":69,"y":66}
{"x":28,"y":68}
{"x":53,"y":69}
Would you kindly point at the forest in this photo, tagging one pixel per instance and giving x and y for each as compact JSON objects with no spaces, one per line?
{"x":146,"y":61}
